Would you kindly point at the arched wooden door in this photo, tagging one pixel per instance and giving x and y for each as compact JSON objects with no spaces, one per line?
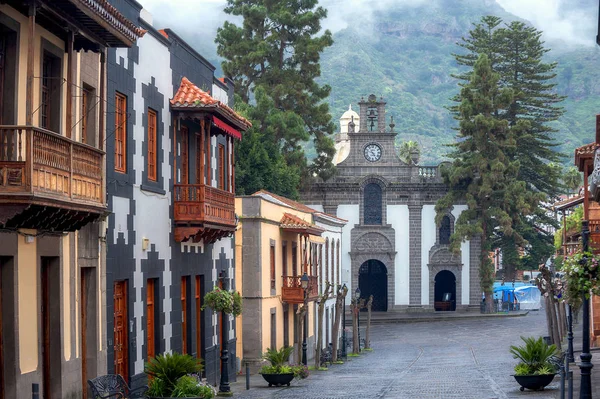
{"x":444,"y":295}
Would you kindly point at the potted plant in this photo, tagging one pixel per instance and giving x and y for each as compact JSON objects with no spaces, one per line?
{"x":220,"y":300}
{"x":173,"y":375}
{"x":278,"y":373}
{"x":535,"y":370}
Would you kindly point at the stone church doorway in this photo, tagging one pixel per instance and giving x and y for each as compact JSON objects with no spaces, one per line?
{"x":372,"y":280}
{"x":445,"y":291}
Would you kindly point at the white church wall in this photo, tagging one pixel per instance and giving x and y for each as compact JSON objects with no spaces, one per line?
{"x":351,"y":214}
{"x":317,"y":207}
{"x":399,"y":214}
{"x":427,"y":241}
{"x":465,"y":260}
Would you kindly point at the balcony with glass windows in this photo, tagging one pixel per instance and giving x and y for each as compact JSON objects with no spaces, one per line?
{"x":292,"y":291}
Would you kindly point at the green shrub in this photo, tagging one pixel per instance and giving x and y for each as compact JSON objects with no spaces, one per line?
{"x":166,"y":369}
{"x":189,"y":387}
{"x":534,"y":357}
{"x":523,"y":369}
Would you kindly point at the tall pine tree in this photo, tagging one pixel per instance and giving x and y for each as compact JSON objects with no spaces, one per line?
{"x":482,"y":174}
{"x":278,"y":47}
{"x":516,"y":53}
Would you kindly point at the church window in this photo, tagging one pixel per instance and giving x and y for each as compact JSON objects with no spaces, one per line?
{"x":372,"y":206}
{"x":445,"y":230}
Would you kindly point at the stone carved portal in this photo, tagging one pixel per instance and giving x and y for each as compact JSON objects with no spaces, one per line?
{"x":372,"y":280}
{"x":445,"y":271}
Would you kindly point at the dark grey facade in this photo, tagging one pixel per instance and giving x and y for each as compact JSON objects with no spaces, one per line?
{"x":141,"y":244}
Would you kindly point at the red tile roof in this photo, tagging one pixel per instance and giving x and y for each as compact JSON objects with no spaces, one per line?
{"x":191,"y":96}
{"x":296,"y":205}
{"x":164,"y":33}
{"x":292,"y":222}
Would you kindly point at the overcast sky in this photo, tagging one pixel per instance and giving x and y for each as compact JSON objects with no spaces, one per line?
{"x":556,"y":18}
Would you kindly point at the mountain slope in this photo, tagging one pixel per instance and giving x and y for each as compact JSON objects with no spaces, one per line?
{"x":405,"y":55}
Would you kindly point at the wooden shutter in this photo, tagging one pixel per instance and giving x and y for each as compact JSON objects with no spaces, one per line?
{"x":221,"y":166}
{"x":272,"y":259}
{"x":184,"y":316}
{"x":84,"y":115}
{"x":152,"y":145}
{"x":198,"y":317}
{"x":120,"y":133}
{"x":184,"y":156}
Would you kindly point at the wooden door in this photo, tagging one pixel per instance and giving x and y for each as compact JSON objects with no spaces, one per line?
{"x":121,"y":349}
{"x":198,"y":316}
{"x":221,"y":167}
{"x":83,"y":314}
{"x":184,"y":316}
{"x":46,"y":327}
{"x":150,"y":334}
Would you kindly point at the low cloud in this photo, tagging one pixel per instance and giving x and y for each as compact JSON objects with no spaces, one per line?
{"x":563,"y":21}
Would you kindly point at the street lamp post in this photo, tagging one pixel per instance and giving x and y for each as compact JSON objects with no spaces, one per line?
{"x":304,"y":284}
{"x":344,"y":355}
{"x":585,"y":391}
{"x":570,"y":357}
{"x":224,"y":388}
{"x":357,"y":298}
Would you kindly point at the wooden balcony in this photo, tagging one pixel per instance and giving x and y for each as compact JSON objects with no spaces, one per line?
{"x":47,"y":181}
{"x":203,"y":212}
{"x":292,"y":291}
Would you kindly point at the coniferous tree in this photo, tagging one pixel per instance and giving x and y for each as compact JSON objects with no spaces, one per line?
{"x":278,"y":47}
{"x":516,"y":53}
{"x":482,"y":174}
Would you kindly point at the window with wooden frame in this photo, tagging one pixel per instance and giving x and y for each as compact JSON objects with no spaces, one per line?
{"x":294,"y":259}
{"x":84,"y":115}
{"x":284,"y":258}
{"x":47,"y":84}
{"x":150,"y":318}
{"x":199,"y":314}
{"x":152,"y":123}
{"x":272,"y":262}
{"x":185,"y":162}
{"x":221,"y":166}
{"x":121,"y":133}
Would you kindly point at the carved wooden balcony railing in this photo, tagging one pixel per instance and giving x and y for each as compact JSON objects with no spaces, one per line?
{"x":292,"y":291}
{"x":203,"y":212}
{"x":48,"y":181}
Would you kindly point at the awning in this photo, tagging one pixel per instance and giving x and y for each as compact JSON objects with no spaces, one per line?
{"x":226,"y":128}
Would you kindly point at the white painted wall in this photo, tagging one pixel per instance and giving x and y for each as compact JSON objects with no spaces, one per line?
{"x":399,"y":214}
{"x":465,"y":248}
{"x":427,"y":241}
{"x":351,"y":214}
{"x":318,"y":208}
{"x":152,"y":219}
{"x":219,"y":94}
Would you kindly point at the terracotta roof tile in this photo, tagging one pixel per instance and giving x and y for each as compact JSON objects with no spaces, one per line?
{"x":289,"y":221}
{"x":294,"y":204}
{"x":587,"y":149}
{"x":164,"y":33}
{"x":191,"y":96}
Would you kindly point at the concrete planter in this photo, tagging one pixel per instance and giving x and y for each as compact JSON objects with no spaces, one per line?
{"x":278,"y":379}
{"x":534,"y":382}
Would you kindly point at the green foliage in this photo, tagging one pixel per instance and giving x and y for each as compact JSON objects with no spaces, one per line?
{"x":546,"y":369}
{"x":409,"y":152}
{"x":581,"y":276}
{"x":278,"y":48}
{"x":166,"y":369}
{"x":277,"y":358}
{"x":189,"y":387}
{"x":220,"y":300}
{"x":572,"y":179}
{"x":535,"y":355}
{"x":300,"y":371}
{"x":573,"y":222}
{"x":523,"y":369}
{"x":482,"y":175}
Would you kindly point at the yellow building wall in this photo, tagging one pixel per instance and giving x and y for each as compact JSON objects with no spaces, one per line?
{"x":27,"y":324}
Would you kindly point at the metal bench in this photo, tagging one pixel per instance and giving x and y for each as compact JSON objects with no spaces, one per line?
{"x":326,"y":356}
{"x":114,"y":386}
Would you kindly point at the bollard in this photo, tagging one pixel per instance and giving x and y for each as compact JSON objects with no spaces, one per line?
{"x":570,"y":385}
{"x":35,"y":391}
{"x":562,"y":382}
{"x":247,"y":376}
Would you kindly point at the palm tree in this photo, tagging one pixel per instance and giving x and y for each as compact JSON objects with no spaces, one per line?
{"x":409,"y":152}
{"x":572,"y":179}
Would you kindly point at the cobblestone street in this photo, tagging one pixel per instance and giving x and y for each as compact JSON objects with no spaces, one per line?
{"x":466,"y":359}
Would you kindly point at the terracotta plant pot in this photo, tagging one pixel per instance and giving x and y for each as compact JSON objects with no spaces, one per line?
{"x":534,"y":382}
{"x":278,"y":379}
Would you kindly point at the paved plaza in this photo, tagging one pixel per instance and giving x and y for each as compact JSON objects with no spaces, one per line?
{"x":450,"y":359}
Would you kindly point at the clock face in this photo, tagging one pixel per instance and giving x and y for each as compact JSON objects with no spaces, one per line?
{"x":372,"y":152}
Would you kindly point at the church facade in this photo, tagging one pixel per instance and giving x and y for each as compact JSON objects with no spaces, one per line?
{"x":391,"y":246}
